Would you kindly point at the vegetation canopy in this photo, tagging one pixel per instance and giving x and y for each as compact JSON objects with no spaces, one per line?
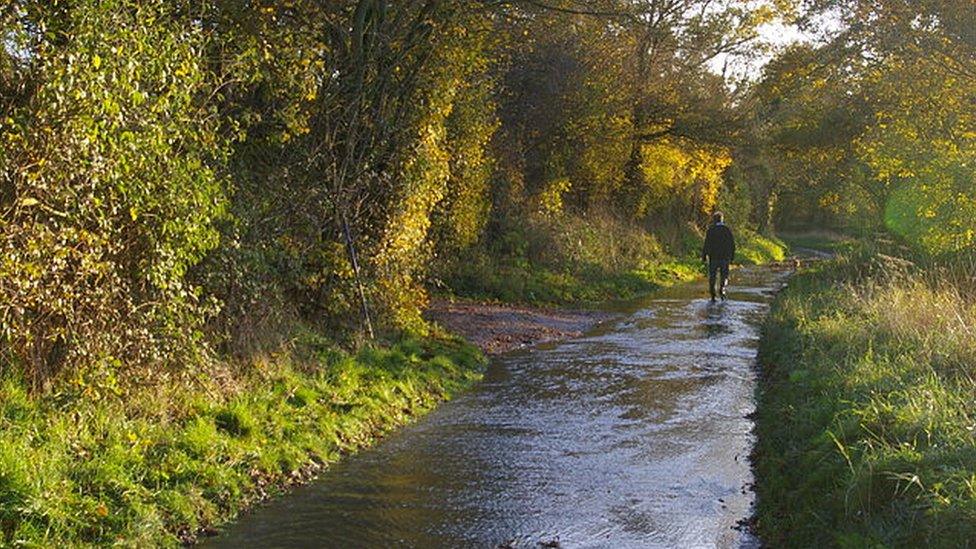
{"x":209,"y":174}
{"x":189,"y":189}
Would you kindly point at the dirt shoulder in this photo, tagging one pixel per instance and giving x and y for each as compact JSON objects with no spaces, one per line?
{"x":500,"y":328}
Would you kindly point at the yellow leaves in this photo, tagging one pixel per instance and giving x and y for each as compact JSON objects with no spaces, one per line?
{"x":663,"y":165}
{"x":405,"y":245}
{"x":551,"y":198}
{"x":183,"y":70}
{"x":828,"y":200}
{"x":111,"y":107}
{"x":96,"y":62}
{"x":28,"y":202}
{"x":763,"y":15}
{"x":681,"y":171}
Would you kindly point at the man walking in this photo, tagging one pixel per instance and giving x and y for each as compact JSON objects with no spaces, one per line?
{"x":719,"y":251}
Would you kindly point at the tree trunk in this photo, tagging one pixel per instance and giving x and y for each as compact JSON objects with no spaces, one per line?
{"x":354,"y":260}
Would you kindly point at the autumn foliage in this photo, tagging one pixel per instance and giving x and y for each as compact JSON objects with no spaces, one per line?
{"x":207,"y":175}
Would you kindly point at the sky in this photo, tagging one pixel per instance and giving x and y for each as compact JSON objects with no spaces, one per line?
{"x":780,"y":36}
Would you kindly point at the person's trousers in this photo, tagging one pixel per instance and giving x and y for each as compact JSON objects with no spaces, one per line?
{"x":718,"y":269}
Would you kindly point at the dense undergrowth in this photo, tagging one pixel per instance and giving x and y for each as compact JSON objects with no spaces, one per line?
{"x":867,"y":408}
{"x":162,"y":463}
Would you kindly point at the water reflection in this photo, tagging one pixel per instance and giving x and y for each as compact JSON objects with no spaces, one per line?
{"x":713,"y":322}
{"x":628,"y":437}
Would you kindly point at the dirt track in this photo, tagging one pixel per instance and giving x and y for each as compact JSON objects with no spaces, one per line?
{"x":500,"y":328}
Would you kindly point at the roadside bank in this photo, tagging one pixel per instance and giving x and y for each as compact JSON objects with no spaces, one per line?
{"x":866,"y":407}
{"x":164,"y":464}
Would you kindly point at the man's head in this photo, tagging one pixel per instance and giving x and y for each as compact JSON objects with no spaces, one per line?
{"x":718,"y":217}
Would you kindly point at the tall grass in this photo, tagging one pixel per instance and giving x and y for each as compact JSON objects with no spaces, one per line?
{"x":867,"y":409}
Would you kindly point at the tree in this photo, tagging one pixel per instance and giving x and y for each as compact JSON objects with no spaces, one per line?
{"x":905,"y":88}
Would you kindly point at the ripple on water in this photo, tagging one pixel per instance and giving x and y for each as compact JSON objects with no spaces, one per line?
{"x":628,"y":437}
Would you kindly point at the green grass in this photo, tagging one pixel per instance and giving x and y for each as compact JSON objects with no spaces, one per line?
{"x":535,"y":285}
{"x":591,"y":285}
{"x":80,"y":468}
{"x":757,"y":249}
{"x":566,"y":259}
{"x":866,"y":417}
{"x":586,"y":260}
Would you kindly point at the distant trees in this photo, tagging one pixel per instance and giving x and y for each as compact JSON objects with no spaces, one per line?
{"x":613,"y":104}
{"x":884,"y":112}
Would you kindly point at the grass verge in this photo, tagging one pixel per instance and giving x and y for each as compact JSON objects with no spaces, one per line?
{"x":160,"y":464}
{"x":866,"y":417}
{"x":537,"y":285}
{"x":757,"y":249}
{"x":530,"y":283}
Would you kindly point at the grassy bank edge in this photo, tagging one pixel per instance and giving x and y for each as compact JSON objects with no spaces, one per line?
{"x":863,"y":423}
{"x":160,"y":465}
{"x":533,"y":285}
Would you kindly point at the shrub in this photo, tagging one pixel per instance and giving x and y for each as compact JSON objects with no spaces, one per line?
{"x":109,"y":190}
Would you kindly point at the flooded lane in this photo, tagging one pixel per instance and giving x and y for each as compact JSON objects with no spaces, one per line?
{"x":633,"y":436}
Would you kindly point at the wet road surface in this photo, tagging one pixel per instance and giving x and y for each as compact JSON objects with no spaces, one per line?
{"x":635,"y":435}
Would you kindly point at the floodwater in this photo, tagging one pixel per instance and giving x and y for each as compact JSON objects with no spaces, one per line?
{"x":636,"y":435}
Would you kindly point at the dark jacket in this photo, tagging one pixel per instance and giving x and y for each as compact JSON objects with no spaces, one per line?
{"x":719,"y":243}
